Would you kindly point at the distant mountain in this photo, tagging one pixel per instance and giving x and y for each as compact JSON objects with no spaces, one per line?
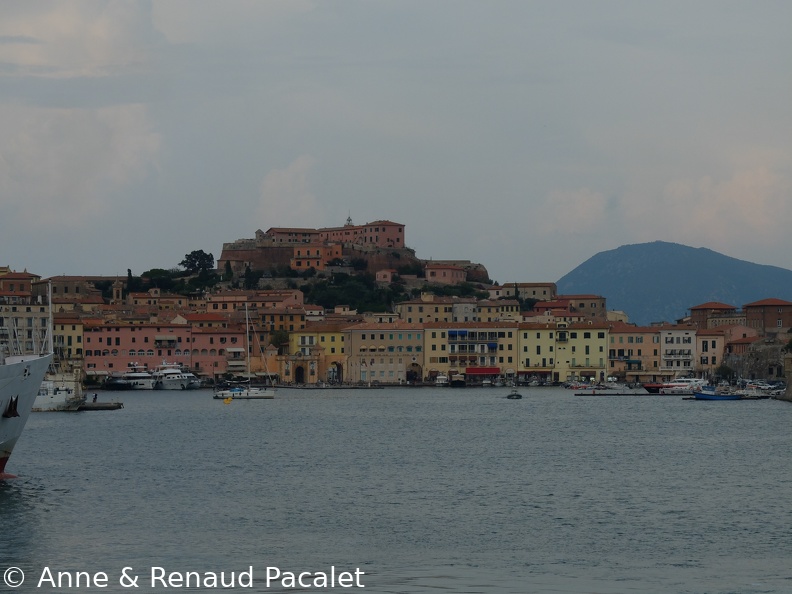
{"x":661,"y":281}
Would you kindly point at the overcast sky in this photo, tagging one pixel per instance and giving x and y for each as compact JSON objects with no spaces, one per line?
{"x":526,"y":136}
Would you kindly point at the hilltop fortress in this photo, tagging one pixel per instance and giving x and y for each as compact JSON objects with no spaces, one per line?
{"x":381,"y":244}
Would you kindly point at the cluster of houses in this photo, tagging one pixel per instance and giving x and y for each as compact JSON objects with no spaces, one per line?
{"x":274,"y":333}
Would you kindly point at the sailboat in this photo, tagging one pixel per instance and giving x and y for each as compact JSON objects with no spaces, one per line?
{"x":246,"y":391}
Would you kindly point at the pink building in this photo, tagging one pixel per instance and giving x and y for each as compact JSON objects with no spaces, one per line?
{"x":206,"y":345}
{"x":385,"y":234}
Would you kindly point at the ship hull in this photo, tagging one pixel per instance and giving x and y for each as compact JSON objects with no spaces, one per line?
{"x":20,"y":380}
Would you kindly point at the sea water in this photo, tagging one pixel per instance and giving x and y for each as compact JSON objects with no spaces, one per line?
{"x":417,"y":489}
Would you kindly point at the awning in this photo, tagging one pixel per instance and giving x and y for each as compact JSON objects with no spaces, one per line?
{"x":167,"y":337}
{"x":482,"y":370}
{"x":235,"y":350}
{"x":92,"y":372}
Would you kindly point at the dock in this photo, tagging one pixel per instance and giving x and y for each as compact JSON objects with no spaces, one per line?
{"x":101,"y":406}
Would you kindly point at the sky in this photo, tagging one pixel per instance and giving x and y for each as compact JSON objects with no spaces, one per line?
{"x":523,"y":135}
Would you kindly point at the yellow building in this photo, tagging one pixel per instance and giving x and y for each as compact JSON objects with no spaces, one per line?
{"x":68,"y":338}
{"x":477,"y":350}
{"x":536,"y":346}
{"x":581,"y":351}
{"x":428,"y":308}
{"x":499,"y":310}
{"x":317,"y":354}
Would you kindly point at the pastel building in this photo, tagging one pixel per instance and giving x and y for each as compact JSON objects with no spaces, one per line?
{"x":316,"y":353}
{"x":581,"y":351}
{"x":633,"y":352}
{"x":384,"y":353}
{"x":711,"y":346}
{"x":476,"y":349}
{"x":536,"y":346}
{"x":677,"y":350}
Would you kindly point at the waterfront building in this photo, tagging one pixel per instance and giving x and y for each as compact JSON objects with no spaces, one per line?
{"x":316,"y":353}
{"x":475,"y":349}
{"x":536,"y":346}
{"x":677,"y":350}
{"x":581,"y":351}
{"x":111,"y":346}
{"x":633,"y":352}
{"x":67,"y":337}
{"x":711,"y":345}
{"x":384,"y":353}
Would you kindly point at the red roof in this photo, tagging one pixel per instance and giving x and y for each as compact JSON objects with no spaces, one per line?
{"x":713,"y":305}
{"x":772,"y":301}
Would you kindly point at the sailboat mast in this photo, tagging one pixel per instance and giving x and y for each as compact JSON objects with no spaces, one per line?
{"x":247,"y":341}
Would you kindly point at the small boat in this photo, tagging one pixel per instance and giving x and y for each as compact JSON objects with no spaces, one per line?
{"x":710,"y":393}
{"x":458,"y":380}
{"x":441,"y":381}
{"x":246,"y":392}
{"x":514,"y":395}
{"x":486,"y":383}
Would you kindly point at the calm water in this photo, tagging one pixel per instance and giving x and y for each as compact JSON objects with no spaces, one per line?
{"x":425,"y":490}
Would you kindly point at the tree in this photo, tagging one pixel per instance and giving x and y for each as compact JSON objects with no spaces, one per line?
{"x":197,"y":261}
{"x":725,"y":372}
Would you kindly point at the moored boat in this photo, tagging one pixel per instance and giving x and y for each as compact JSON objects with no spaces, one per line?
{"x":52,"y":397}
{"x":170,"y":376}
{"x":683,"y":386}
{"x":138,"y":378}
{"x":441,"y":380}
{"x":245,"y":393}
{"x":458,"y":380}
{"x":710,"y":393}
{"x":115,"y":383}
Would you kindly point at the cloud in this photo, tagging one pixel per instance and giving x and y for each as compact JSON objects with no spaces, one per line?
{"x":191,"y":21}
{"x":286,"y":199}
{"x":74,"y":39}
{"x":61,"y":167}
